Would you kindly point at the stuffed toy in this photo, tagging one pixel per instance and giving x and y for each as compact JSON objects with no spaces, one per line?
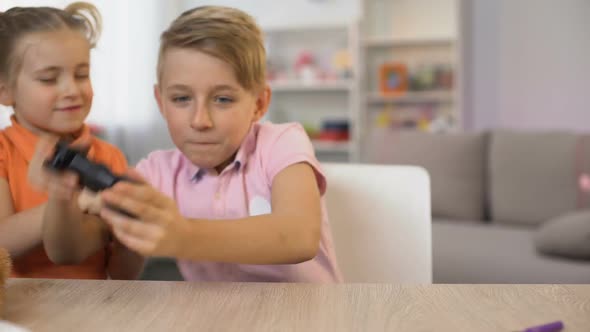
{"x":5,"y":267}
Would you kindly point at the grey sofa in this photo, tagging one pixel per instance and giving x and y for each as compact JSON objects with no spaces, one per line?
{"x":490,"y":193}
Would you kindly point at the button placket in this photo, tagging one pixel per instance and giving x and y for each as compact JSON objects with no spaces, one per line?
{"x":221,"y":194}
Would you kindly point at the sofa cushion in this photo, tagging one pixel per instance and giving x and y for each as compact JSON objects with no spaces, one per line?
{"x":455,"y":163}
{"x":532,"y":176}
{"x":567,"y":236}
{"x":490,"y":254}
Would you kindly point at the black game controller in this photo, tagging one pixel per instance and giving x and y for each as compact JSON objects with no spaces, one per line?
{"x":94,"y":176}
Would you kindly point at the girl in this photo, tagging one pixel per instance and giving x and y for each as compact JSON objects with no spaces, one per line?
{"x":44,"y":77}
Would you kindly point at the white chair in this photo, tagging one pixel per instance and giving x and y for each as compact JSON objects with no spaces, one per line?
{"x":381,"y":223}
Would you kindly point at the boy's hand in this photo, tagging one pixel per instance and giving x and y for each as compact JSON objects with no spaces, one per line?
{"x":158,"y":227}
{"x":60,"y":185}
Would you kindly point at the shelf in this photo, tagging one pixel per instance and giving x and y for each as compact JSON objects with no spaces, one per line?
{"x":285,"y":86}
{"x":412,"y":97}
{"x":334,"y":147}
{"x":394,"y":42}
{"x":307,"y":27}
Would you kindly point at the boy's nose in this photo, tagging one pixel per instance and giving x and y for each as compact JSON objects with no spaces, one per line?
{"x":201,"y":119}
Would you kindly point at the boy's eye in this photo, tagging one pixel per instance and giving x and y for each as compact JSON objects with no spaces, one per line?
{"x":48,"y":80}
{"x":181,"y":99}
{"x":82,"y":76}
{"x":223,"y":100}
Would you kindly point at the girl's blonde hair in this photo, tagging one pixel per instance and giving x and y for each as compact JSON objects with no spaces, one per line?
{"x":18,"y":22}
{"x":225,"y":33}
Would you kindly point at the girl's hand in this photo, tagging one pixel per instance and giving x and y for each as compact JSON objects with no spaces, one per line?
{"x":90,"y":202}
{"x":156,"y":229}
{"x":60,"y":185}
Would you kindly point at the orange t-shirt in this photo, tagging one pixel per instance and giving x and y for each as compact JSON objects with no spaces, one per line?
{"x":17,"y":146}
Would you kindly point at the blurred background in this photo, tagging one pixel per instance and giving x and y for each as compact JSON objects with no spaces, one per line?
{"x":348,"y":68}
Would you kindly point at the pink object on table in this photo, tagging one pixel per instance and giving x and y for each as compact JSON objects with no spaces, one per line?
{"x":584,"y":182}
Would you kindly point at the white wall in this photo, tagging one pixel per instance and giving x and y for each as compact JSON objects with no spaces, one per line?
{"x":545,"y":64}
{"x":427,"y":19}
{"x":480,"y":48}
{"x":289,"y":13}
{"x":140,"y":127}
{"x":528,"y":64}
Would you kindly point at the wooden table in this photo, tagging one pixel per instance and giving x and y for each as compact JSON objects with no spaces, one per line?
{"x":76,"y":305}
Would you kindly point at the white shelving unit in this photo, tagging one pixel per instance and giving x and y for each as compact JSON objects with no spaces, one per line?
{"x":405,"y":42}
{"x":311,"y":102}
{"x":412,"y":97}
{"x":410,"y":31}
{"x":297,"y":86}
{"x":418,"y":34}
{"x":331,"y":147}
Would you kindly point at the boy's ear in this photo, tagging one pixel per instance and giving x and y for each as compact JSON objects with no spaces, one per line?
{"x":262,"y":102}
{"x":158,"y":97}
{"x":6,"y":98}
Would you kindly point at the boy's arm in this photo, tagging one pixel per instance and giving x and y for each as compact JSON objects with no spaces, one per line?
{"x":69,"y":235}
{"x":19,"y":232}
{"x":290,"y":234}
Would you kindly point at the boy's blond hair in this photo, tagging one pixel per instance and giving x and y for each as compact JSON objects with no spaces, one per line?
{"x":18,"y":22}
{"x":225,"y":33}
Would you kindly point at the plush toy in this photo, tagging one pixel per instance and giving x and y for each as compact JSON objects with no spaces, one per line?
{"x":305,"y":67}
{"x":5,"y":267}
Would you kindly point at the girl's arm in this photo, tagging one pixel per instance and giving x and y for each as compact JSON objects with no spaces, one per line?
{"x":19,"y":232}
{"x":124,"y":264}
{"x":69,"y":235}
{"x":290,"y":234}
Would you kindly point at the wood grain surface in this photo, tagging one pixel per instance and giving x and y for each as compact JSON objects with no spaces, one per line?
{"x":76,"y":305}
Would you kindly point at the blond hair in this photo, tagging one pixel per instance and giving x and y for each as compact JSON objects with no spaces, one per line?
{"x":225,"y":33}
{"x":18,"y":22}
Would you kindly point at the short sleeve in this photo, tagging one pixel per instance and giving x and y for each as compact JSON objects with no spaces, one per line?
{"x":109,"y":155}
{"x":118,"y":162}
{"x":156,"y":164}
{"x":288,"y":145}
{"x":145,"y":168}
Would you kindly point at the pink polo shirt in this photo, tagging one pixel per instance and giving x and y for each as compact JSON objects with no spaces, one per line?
{"x":243,"y":189}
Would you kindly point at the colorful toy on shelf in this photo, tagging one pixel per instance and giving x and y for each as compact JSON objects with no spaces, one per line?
{"x":334,"y":130}
{"x":311,"y":130}
{"x":393,"y":78}
{"x":384,"y":118}
{"x":342,"y":64}
{"x":444,"y":77}
{"x":422,"y":78}
{"x":305,"y":67}
{"x":431,"y":77}
{"x":442,"y":123}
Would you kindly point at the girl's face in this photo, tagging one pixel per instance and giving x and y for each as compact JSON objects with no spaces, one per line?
{"x":52,"y":92}
{"x":207,"y":110}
